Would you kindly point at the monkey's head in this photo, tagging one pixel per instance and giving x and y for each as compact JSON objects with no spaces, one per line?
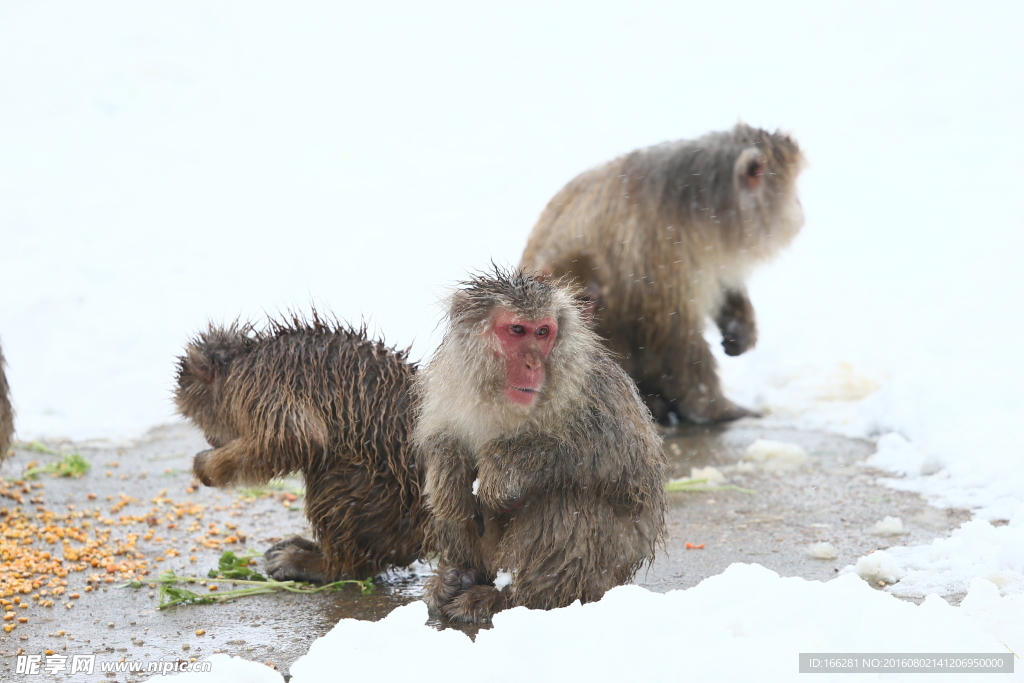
{"x":516,"y":348}
{"x":764,"y":167}
{"x":201,"y":375}
{"x":763,"y":159}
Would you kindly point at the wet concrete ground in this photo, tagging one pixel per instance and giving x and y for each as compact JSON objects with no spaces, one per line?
{"x":146,"y":486}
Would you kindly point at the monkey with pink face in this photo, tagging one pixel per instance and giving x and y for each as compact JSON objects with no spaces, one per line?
{"x":540,"y":459}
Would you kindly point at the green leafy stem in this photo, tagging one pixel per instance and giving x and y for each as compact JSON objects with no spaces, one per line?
{"x":72,"y":465}
{"x":235,"y":570}
{"x":700,"y":486}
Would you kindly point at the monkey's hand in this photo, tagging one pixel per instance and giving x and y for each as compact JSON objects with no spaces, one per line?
{"x":737,"y":323}
{"x":237,"y":461}
{"x":199,"y":467}
{"x":508,"y":469}
{"x":498,"y":490}
{"x":737,"y":338}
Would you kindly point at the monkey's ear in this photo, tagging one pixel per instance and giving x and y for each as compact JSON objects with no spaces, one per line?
{"x":201,"y":366}
{"x":750,"y":168}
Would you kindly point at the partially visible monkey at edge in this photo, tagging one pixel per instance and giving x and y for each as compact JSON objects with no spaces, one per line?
{"x":663,"y":238}
{"x":321,"y":399}
{"x":540,"y":459}
{"x":6,"y":413}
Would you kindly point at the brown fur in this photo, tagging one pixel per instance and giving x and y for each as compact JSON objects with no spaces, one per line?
{"x":6,"y":413}
{"x":324,"y":400}
{"x":570,"y":497}
{"x":664,"y":237}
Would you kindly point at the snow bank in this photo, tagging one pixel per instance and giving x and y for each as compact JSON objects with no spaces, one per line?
{"x":949,"y":565}
{"x":743,"y":625}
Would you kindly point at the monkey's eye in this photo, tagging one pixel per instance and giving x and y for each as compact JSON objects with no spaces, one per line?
{"x":542,"y":332}
{"x":517,"y":329}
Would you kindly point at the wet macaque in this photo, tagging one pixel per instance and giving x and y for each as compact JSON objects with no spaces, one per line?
{"x":6,"y":413}
{"x":662,"y":239}
{"x":542,"y":467}
{"x":323,"y":400}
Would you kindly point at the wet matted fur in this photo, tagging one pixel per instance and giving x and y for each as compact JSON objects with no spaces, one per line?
{"x":321,"y":399}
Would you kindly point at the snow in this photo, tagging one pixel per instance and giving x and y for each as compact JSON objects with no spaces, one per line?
{"x":775,"y":456}
{"x":165,"y":165}
{"x":878,"y":567}
{"x":712,"y":475}
{"x":888,"y":526}
{"x":502,"y":580}
{"x":948,"y":565}
{"x":822,"y":551}
{"x":744,"y":624}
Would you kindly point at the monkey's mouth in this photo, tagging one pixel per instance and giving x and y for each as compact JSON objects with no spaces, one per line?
{"x":521,"y":395}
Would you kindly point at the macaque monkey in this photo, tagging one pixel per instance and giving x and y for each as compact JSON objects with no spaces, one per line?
{"x":662,"y":239}
{"x":541,"y":462}
{"x":324,"y":400}
{"x":6,"y":413}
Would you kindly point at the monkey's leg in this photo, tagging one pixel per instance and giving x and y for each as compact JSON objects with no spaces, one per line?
{"x":735,"y":319}
{"x":680,"y":376}
{"x":296,"y":559}
{"x":568,"y":546}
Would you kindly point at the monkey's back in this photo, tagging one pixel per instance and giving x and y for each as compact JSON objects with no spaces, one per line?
{"x":342,"y":402}
{"x":331,"y":382}
{"x":669,"y":218}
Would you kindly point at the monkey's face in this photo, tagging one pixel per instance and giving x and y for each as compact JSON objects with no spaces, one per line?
{"x":525,"y":345}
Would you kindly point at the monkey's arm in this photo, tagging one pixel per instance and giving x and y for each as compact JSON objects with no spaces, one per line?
{"x":449,"y":473}
{"x":283,"y":443}
{"x":735,"y":318}
{"x":239,"y":461}
{"x":509,"y":469}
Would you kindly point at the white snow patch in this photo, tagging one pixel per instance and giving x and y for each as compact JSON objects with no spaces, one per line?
{"x":702,"y":478}
{"x":877,"y":568}
{"x":776,"y":456}
{"x":502,"y":580}
{"x":889,"y":526}
{"x":713,"y":475}
{"x":977,"y":550}
{"x":822,"y":551}
{"x":476,"y":485}
{"x":896,"y":454}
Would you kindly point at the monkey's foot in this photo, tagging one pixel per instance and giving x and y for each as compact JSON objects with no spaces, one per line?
{"x":475,"y":605}
{"x":447,"y":583}
{"x":723,"y":410}
{"x":296,"y":559}
{"x":731,"y":411}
